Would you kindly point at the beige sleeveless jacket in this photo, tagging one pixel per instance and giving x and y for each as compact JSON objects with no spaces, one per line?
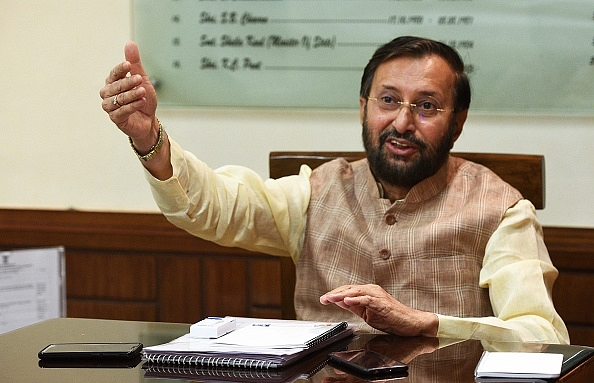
{"x":425,"y":250}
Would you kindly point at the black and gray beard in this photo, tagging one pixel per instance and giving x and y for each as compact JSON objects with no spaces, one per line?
{"x":399,"y":171}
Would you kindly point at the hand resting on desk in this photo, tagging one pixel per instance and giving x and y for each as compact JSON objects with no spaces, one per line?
{"x":382,"y":311}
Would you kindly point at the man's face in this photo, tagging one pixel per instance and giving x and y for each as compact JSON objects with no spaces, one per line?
{"x":404,"y":144}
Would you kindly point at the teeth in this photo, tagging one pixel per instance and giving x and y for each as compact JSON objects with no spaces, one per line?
{"x":396,"y":143}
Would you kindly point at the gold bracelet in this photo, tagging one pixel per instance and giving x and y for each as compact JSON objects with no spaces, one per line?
{"x":154,"y":149}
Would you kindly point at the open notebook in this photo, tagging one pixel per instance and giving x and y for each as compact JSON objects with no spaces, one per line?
{"x":255,"y":344}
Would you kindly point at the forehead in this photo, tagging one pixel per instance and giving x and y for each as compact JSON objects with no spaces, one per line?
{"x":415,"y":76}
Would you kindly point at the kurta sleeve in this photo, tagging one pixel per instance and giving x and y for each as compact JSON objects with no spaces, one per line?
{"x":519,"y":274}
{"x":233,"y":205}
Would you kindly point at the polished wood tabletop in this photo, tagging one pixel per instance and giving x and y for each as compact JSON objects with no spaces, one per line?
{"x":429,"y":359}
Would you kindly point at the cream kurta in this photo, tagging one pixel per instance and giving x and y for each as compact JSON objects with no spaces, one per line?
{"x":233,"y":206}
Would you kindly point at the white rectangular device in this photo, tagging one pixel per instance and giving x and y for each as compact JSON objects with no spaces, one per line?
{"x":212,"y":327}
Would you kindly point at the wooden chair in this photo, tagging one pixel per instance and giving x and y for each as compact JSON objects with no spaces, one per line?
{"x":522,"y":171}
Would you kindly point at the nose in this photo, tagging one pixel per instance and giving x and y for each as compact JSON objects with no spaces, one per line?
{"x":404,"y":120}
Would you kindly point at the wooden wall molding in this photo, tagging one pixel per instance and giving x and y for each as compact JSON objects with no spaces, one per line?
{"x":138,"y":266}
{"x":100,"y":230}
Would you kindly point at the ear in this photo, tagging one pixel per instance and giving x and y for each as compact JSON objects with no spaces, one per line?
{"x":459,"y":124}
{"x":362,"y":105}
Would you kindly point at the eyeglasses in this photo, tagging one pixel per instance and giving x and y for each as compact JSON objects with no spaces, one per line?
{"x":424,"y":108}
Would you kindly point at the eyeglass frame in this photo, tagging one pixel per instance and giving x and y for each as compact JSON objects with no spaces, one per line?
{"x":412,"y":106}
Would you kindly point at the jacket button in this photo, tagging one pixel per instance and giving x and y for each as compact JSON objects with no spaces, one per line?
{"x":390,"y":219}
{"x":385,"y":253}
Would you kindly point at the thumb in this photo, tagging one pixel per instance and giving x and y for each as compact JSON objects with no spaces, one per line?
{"x":132,"y":55}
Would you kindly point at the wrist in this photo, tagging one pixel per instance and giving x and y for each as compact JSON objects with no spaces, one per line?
{"x":154,"y":149}
{"x":432,"y":325}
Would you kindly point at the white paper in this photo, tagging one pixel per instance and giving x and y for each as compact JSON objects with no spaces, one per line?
{"x":31,"y":287}
{"x":187,"y":344}
{"x":519,"y":365}
{"x":274,"y":334}
{"x":287,"y":338}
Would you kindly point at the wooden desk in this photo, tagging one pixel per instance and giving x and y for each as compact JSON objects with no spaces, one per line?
{"x":19,"y":362}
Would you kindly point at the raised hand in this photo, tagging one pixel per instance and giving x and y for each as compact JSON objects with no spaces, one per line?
{"x":130,"y":99}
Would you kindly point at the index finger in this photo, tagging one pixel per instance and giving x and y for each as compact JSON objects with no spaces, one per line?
{"x":339,"y":293}
{"x":118,"y":72}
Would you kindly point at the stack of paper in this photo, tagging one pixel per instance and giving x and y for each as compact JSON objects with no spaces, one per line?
{"x":519,"y":365}
{"x":256,"y":343}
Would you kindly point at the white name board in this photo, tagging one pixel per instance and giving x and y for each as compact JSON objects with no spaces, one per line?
{"x":32,"y":287}
{"x":523,"y":56}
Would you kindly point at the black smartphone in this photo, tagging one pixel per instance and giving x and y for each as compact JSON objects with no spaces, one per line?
{"x":91,"y":351}
{"x":367,"y":363}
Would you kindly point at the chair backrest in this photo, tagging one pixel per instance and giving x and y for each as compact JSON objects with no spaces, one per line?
{"x":525,"y":172}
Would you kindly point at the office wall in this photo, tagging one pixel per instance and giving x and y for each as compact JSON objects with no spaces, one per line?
{"x":60,"y":151}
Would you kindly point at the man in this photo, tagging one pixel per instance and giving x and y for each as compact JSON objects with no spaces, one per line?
{"x":409,"y":241}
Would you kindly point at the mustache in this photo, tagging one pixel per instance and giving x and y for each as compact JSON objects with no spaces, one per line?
{"x":393,"y":133}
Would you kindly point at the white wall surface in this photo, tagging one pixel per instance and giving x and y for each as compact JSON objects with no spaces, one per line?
{"x":60,"y":151}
